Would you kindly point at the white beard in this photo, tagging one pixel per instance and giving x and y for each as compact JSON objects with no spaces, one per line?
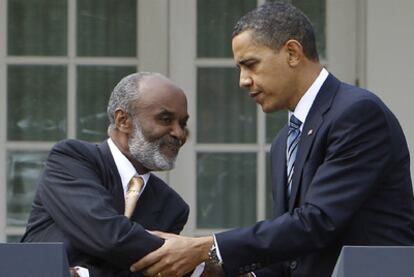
{"x":148,"y":153}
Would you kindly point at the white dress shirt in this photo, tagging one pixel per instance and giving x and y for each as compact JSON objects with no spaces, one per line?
{"x":305,"y":103}
{"x":125,"y":168}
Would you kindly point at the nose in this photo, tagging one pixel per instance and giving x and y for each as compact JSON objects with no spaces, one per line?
{"x":245,"y":80}
{"x":179,"y":132}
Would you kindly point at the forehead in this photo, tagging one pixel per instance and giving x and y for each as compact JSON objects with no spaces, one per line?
{"x":159,"y":94}
{"x":244,"y":44}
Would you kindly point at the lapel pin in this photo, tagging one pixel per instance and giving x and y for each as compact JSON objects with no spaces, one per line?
{"x":310,"y":132}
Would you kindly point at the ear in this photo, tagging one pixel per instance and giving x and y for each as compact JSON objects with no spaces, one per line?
{"x":123,"y":121}
{"x":295,"y":51}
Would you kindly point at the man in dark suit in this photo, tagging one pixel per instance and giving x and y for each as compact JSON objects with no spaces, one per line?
{"x":340,"y":168}
{"x":80,"y":199}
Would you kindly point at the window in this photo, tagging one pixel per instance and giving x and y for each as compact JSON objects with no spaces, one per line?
{"x":62,"y":60}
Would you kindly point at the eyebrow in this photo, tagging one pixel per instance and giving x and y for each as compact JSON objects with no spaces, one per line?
{"x":245,"y":61}
{"x":165,"y":112}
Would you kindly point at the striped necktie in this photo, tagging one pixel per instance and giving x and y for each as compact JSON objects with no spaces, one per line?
{"x":131,"y":197}
{"x":292,"y":147}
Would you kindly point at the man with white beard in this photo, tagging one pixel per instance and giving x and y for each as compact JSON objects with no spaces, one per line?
{"x":82,"y":194}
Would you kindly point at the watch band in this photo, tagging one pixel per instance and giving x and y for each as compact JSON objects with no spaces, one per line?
{"x":213,"y":257}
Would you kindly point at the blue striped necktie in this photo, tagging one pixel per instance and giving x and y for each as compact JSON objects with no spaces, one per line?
{"x":292,"y":147}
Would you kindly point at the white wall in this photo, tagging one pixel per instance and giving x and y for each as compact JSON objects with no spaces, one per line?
{"x":390,"y":59}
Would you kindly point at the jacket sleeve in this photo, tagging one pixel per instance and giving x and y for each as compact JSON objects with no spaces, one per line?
{"x":181,"y":220}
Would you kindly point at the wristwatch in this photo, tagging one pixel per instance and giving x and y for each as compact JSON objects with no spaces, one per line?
{"x":213,"y":256}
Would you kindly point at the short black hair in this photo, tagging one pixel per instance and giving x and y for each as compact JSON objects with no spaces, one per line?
{"x":274,"y":23}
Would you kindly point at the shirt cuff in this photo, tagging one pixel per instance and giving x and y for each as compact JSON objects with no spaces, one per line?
{"x":217,"y":249}
{"x":82,"y":272}
{"x":198,"y":270}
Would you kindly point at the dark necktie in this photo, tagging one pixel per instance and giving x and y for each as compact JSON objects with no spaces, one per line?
{"x":292,"y":147}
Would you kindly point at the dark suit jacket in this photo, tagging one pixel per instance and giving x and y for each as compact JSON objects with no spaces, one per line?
{"x":80,"y":202}
{"x":351,"y":186}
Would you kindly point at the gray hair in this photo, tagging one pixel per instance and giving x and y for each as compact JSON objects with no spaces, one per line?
{"x":274,"y":23}
{"x":125,"y":93}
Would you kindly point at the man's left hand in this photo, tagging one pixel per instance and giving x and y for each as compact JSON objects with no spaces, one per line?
{"x":176,"y":257}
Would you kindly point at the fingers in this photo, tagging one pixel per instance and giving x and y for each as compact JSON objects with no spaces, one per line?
{"x":155,"y":270}
{"x":146,"y":261}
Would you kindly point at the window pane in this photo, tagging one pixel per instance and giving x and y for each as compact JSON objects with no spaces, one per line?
{"x":274,"y":122}
{"x":37,"y":27}
{"x":225,"y":113}
{"x":316,"y":11}
{"x":106,"y":28}
{"x":36,"y":100}
{"x":215,"y":22}
{"x":226,"y":190}
{"x":95,"y":84}
{"x":23,"y":171}
{"x":13,"y":238}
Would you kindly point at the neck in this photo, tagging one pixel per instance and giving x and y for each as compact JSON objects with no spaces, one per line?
{"x":306,"y":75}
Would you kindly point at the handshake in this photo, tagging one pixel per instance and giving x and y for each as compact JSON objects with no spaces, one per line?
{"x":177,"y":257}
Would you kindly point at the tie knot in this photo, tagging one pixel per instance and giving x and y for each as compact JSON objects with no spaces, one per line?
{"x":135,"y":185}
{"x":294,"y":123}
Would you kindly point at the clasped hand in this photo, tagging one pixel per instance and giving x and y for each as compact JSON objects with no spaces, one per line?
{"x":178,"y":256}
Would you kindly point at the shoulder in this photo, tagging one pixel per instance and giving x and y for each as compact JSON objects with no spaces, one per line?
{"x":358,"y":101}
{"x":77,"y":149}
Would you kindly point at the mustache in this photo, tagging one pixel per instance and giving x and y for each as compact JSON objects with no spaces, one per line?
{"x":168,"y":140}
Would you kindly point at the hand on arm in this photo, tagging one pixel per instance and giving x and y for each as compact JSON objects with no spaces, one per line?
{"x":176,"y":257}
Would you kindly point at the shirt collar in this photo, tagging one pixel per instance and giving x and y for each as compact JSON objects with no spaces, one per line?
{"x":125,"y":168}
{"x":305,"y":103}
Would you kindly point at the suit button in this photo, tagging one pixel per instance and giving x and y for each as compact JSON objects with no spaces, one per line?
{"x":293,"y":265}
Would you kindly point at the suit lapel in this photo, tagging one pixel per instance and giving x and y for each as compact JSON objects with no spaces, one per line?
{"x":313,"y":122}
{"x":279,"y":173}
{"x":113,"y":180}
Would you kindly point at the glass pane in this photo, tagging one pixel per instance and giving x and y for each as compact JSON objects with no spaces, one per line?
{"x":23,"y":171}
{"x":316,"y":11}
{"x":36,"y":101}
{"x":226,"y":190}
{"x":13,"y":238}
{"x":37,"y":27}
{"x":274,"y":122}
{"x":225,"y":113}
{"x":106,"y":28}
{"x":215,"y":22}
{"x":95,"y":84}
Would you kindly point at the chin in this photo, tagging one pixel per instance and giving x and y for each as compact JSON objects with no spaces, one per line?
{"x":266,"y":109}
{"x":270,"y":108}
